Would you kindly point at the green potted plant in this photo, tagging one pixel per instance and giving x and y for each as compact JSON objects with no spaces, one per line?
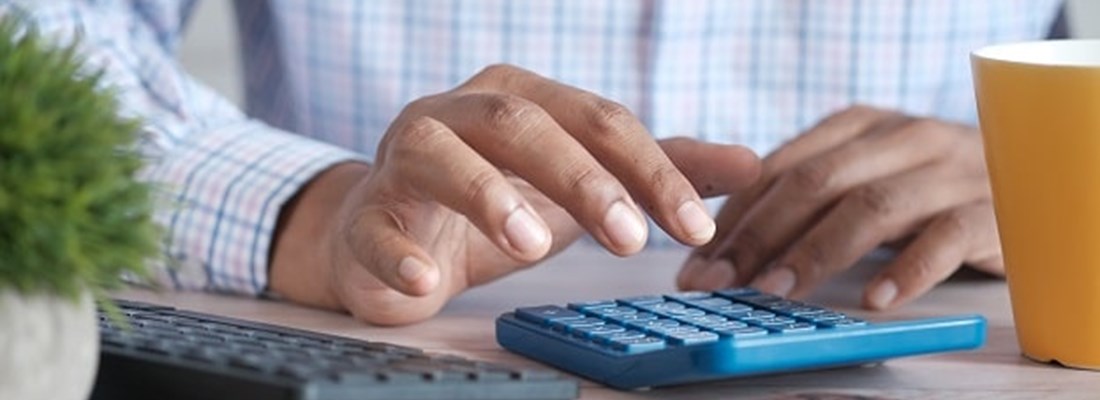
{"x":73,"y":220}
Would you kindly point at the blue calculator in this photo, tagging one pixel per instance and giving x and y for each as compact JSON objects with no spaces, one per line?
{"x":679,"y":338}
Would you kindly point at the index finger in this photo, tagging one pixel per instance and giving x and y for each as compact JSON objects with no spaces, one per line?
{"x":622,"y":145}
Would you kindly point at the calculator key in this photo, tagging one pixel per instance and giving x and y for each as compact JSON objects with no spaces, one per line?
{"x":738,"y":292}
{"x":656,"y":323}
{"x":690,"y":338}
{"x":798,"y":327}
{"x":805,"y":311}
{"x":710,"y":302}
{"x":762,"y":299}
{"x":727,"y":326}
{"x":588,"y":305}
{"x":706,"y":320}
{"x":569,"y":324}
{"x":662,"y":307}
{"x":638,"y":345}
{"x":638,"y":317}
{"x":747,"y":332}
{"x":611,"y":338}
{"x":609,"y":311}
{"x":757,"y":315}
{"x":664,"y":331}
{"x":640,"y":300}
{"x":844,"y":323}
{"x":589,"y":332}
{"x":826,"y":316}
{"x":733,"y":310}
{"x":684,"y":296}
{"x":544,"y":315}
{"x":685,"y":313}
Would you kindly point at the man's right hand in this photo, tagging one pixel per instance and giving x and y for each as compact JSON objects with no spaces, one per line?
{"x":483,"y":180}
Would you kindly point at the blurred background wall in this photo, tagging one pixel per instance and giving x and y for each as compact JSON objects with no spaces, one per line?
{"x":210,"y":53}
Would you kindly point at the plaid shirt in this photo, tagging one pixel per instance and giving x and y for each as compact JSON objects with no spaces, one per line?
{"x":325,"y":78}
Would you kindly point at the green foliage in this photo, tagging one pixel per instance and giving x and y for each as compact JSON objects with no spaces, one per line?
{"x":72,"y":216}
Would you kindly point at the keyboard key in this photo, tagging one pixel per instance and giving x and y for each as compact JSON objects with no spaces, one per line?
{"x":665,"y":331}
{"x":544,"y":315}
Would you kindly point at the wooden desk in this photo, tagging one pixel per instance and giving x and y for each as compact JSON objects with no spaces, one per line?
{"x":465,"y":327}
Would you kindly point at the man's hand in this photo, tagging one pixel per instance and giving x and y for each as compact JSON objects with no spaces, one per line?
{"x":477,"y":182}
{"x":860,"y":179}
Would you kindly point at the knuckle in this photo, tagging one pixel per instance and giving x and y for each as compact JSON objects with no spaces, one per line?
{"x":812,"y":179}
{"x":665,"y":178}
{"x":924,"y":126}
{"x":859,"y":111}
{"x":481,"y":187}
{"x":416,"y":135}
{"x":588,"y":181}
{"x":810,"y":260}
{"x":921,"y":268}
{"x":878,"y":200}
{"x":497,"y":70}
{"x":496,"y":76}
{"x":954,"y":223}
{"x":506,"y":112}
{"x":608,"y":118}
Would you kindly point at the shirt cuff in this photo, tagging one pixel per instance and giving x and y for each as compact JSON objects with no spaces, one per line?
{"x":222,"y":192}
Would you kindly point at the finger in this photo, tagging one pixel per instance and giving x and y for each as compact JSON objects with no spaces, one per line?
{"x":713,"y":169}
{"x":881,"y":211}
{"x":936,"y":253}
{"x":798,"y":198}
{"x":826,"y":135}
{"x":428,"y":159}
{"x":377,"y":241}
{"x":513,"y":133}
{"x":623,"y":146}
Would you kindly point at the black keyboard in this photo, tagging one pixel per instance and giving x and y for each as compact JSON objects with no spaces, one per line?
{"x":173,"y":354}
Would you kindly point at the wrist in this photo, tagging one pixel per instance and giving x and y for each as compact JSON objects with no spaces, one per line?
{"x":301,"y":258}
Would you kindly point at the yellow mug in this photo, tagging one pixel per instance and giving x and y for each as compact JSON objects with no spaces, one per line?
{"x":1039,"y":106}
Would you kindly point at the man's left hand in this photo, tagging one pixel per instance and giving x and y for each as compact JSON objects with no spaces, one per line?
{"x":860,"y":179}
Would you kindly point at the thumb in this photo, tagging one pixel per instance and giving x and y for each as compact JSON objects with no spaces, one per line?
{"x":714,"y":169}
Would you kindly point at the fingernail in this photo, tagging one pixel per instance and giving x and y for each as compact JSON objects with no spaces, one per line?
{"x":695,"y":221}
{"x":524,"y":232}
{"x":411,"y":269}
{"x":778,"y":281}
{"x":883,"y":294}
{"x":623,"y":226}
{"x":715,"y":275}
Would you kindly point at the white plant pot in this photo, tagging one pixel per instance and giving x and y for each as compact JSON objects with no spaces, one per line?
{"x":49,"y":347}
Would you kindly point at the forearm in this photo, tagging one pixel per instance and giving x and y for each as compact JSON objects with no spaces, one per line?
{"x":301,"y":255}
